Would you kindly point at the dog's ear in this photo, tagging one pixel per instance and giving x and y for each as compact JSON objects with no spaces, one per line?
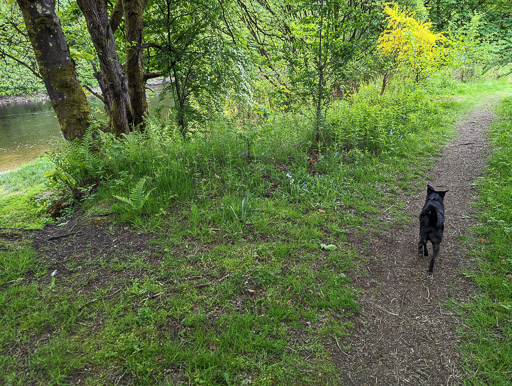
{"x":430,"y":189}
{"x":443,"y":193}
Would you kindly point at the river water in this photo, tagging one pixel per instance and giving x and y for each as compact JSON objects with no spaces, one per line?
{"x":29,"y":129}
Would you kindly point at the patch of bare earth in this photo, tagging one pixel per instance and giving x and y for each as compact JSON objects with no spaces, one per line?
{"x":86,"y":240}
{"x":405,"y":333}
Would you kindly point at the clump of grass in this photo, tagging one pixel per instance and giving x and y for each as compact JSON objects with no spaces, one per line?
{"x":488,"y":338}
{"x":19,"y":192}
{"x":26,"y":176}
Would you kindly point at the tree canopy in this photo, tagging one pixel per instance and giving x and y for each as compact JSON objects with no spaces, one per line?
{"x":257,"y":54}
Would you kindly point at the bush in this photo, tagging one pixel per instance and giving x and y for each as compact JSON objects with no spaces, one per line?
{"x":378,"y":123}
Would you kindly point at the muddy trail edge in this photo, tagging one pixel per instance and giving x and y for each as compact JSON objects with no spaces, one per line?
{"x":404,"y":332}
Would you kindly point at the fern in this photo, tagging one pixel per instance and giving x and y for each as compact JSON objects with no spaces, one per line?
{"x":78,"y":161}
{"x":137,"y":197}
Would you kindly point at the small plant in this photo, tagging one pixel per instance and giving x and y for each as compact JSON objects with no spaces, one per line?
{"x":246,"y":210}
{"x":137,"y":197}
{"x":78,"y":161}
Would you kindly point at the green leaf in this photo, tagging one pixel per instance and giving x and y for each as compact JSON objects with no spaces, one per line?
{"x":328,"y":247}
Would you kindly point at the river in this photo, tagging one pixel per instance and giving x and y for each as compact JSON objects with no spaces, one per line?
{"x":29,"y":129}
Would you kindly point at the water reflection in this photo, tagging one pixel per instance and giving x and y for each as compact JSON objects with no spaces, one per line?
{"x":28,"y":130}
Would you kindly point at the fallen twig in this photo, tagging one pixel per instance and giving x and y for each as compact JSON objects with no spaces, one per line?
{"x":386,"y":311}
{"x":102,"y":214}
{"x":202,"y":285}
{"x":20,"y":229}
{"x":61,"y":236}
{"x":337,"y":344}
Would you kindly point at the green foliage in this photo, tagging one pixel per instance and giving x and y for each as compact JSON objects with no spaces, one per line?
{"x":378,"y":123}
{"x":322,"y":39}
{"x":78,"y":162}
{"x":485,"y":26}
{"x":488,"y":338}
{"x":137,"y":197}
{"x":474,"y":52}
{"x":15,"y":78}
{"x":19,"y":73}
{"x":270,"y":158}
{"x":204,"y":66}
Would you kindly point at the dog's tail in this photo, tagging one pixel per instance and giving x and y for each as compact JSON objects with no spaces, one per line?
{"x":430,"y":211}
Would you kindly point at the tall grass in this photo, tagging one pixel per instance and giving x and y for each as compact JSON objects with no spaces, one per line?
{"x":488,"y":337}
{"x":378,"y":123}
{"x":269,"y":157}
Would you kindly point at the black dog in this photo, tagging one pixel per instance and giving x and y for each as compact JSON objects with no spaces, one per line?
{"x":432,"y":224}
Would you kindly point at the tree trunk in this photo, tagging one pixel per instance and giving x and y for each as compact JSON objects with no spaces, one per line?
{"x":113,"y":79}
{"x":320,"y":68}
{"x":134,"y":69}
{"x":385,"y":79}
{"x":56,"y":67}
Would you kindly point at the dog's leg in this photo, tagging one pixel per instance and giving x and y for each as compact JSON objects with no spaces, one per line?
{"x":422,"y":246}
{"x":434,"y":255}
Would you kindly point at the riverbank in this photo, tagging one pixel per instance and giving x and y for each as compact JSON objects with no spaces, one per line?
{"x":28,"y":126}
{"x":22,"y":99}
{"x":42,"y":97}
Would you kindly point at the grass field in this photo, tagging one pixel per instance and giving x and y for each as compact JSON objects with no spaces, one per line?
{"x":246,"y":276}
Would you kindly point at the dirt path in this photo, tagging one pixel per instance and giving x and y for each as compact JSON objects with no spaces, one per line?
{"x":404,"y":333}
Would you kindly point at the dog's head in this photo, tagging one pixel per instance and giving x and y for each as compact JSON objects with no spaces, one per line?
{"x":433,"y":194}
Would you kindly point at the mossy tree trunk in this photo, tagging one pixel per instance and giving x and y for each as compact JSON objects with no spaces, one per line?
{"x":56,"y":67}
{"x":134,"y":67}
{"x":112,"y":79}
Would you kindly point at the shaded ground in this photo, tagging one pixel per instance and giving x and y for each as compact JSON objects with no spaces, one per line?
{"x":84,"y":237}
{"x":405,"y":333}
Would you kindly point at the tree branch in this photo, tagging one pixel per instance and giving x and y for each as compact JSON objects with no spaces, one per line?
{"x":36,"y":73}
{"x":152,"y":75}
{"x":226,"y":22}
{"x":117,"y":15}
{"x":95,"y":93}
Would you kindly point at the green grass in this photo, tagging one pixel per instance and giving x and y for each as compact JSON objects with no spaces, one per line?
{"x":19,"y":192}
{"x":488,"y":335}
{"x":238,"y":289}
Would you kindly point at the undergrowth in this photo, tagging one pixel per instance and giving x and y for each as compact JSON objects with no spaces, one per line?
{"x":488,"y":336}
